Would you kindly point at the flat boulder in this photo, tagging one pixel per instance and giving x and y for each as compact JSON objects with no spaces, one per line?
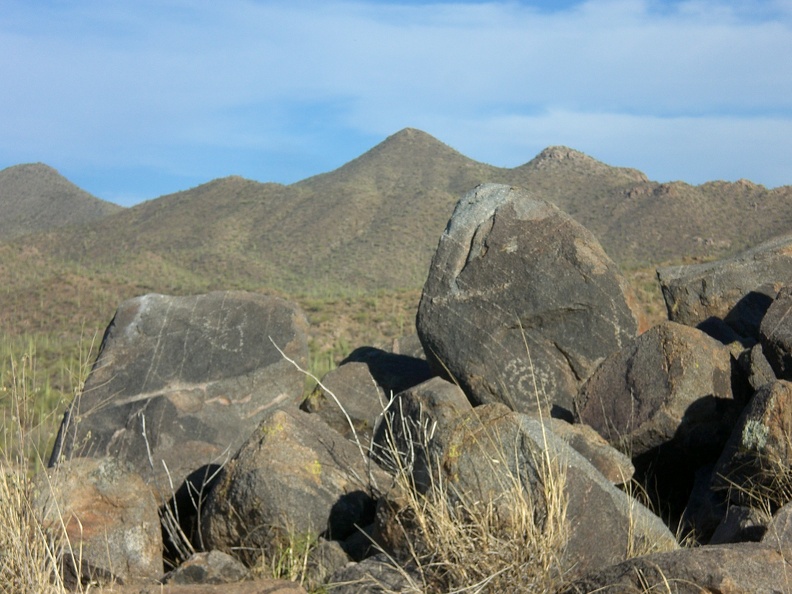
{"x":725,"y":569}
{"x":521,"y":303}
{"x":737,"y":290}
{"x":180,"y":382}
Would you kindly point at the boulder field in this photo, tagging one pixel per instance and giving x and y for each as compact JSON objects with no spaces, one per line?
{"x":533,"y":421}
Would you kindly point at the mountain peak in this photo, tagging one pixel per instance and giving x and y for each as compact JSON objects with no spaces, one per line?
{"x":556,"y":154}
{"x":411,"y":139}
{"x":35,"y":197}
{"x":409,"y":152}
{"x":554,"y":157}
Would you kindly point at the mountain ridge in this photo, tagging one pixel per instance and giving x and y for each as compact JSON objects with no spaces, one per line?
{"x":370,"y":225}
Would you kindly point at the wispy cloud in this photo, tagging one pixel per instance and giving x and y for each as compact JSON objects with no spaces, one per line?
{"x":282,"y":90}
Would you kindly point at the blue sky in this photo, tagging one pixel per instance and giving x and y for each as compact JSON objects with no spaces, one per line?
{"x":135,"y":99}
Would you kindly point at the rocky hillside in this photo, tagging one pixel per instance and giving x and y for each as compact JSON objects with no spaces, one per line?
{"x":372,"y":224}
{"x":368,"y":228}
{"x":36,"y":198}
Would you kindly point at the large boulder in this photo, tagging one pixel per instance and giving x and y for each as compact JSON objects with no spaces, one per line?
{"x":532,"y":484}
{"x":671,"y":383}
{"x":725,"y":569}
{"x":415,"y":430}
{"x":738,"y":290}
{"x":666,"y":400}
{"x":775,"y":334}
{"x":295,"y":477}
{"x":755,"y":468}
{"x":180,"y":382}
{"x":521,"y":303}
{"x":359,"y":389}
{"x":107,"y":519}
{"x":349,"y":400}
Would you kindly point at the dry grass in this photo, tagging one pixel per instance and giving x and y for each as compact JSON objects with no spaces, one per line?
{"x":457,"y":544}
{"x":28,"y":552}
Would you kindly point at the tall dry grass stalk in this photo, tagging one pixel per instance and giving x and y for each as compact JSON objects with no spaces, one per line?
{"x":455,"y":543}
{"x":28,"y":552}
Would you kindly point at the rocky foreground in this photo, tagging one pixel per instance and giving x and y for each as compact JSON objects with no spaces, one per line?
{"x":528,"y":401}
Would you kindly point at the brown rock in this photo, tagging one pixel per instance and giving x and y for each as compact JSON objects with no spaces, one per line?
{"x":614,"y":466}
{"x":666,"y":400}
{"x":213,"y":567}
{"x":672,"y":382}
{"x":294,"y":478}
{"x":110,"y":519}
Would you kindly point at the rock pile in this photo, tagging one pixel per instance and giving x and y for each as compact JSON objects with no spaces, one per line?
{"x":538,"y":416}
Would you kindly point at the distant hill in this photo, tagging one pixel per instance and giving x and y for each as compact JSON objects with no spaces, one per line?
{"x":35,"y":197}
{"x":370,"y":225}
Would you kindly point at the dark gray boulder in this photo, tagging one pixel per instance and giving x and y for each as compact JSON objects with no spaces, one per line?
{"x":359,"y":389}
{"x":775,"y":334}
{"x":417,"y":426}
{"x":671,"y":383}
{"x":295,"y":477}
{"x":521,"y":303}
{"x":347,"y":394}
{"x":511,"y":464}
{"x":756,"y":368}
{"x":741,"y":524}
{"x":376,"y":575}
{"x":666,"y":400}
{"x":725,"y":569}
{"x":392,"y":372}
{"x":180,"y":382}
{"x":738,"y":290}
{"x":755,"y":468}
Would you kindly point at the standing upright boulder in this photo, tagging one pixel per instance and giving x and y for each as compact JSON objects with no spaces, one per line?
{"x":180,"y":382}
{"x":521,"y":303}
